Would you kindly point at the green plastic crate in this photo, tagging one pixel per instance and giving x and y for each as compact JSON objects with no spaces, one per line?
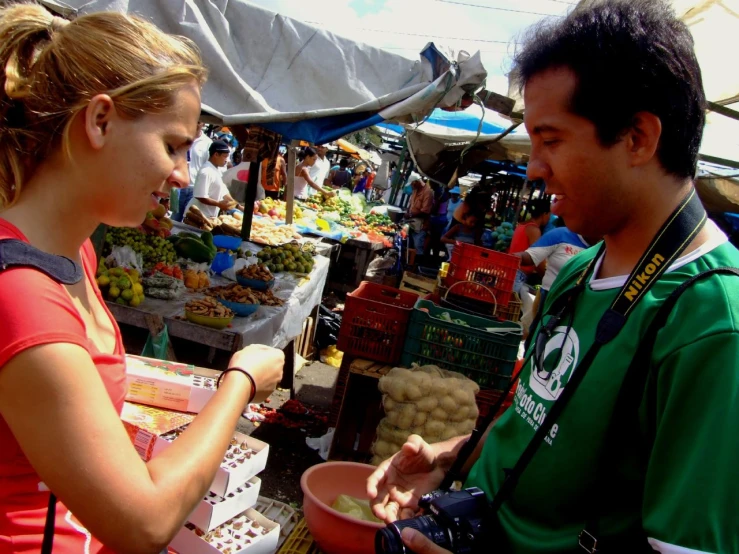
{"x":485,"y":357}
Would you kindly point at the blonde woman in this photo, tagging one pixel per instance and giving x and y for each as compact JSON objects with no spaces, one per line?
{"x":75,"y":99}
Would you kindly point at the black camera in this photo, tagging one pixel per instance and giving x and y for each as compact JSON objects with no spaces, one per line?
{"x":453,"y":520}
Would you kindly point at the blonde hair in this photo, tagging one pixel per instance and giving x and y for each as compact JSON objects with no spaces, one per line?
{"x":53,"y":67}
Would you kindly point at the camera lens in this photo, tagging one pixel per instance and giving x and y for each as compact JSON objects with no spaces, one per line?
{"x":388,"y":540}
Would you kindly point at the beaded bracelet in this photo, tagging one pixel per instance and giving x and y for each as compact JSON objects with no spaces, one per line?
{"x":248,"y":376}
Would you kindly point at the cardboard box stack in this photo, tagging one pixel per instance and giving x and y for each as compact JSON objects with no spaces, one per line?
{"x":225,"y":520}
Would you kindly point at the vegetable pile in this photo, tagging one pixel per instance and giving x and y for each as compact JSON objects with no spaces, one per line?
{"x":427,"y":401}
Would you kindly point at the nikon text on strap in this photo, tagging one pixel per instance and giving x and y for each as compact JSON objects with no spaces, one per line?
{"x":670,"y":241}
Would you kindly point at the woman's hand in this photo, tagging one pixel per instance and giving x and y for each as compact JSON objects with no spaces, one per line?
{"x":399,"y":482}
{"x":328,"y":194}
{"x":265,"y":365}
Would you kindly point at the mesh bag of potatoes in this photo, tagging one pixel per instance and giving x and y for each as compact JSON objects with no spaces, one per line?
{"x":428,"y":401}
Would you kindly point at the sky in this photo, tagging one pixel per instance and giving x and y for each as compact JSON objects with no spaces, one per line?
{"x":406,"y":26}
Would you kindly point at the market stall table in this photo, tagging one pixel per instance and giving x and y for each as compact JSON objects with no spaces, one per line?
{"x":272,"y":326}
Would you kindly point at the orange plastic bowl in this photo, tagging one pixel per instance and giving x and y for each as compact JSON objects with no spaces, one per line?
{"x":335,"y":532}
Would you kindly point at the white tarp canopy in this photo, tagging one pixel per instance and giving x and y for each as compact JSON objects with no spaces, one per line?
{"x":266,"y":68}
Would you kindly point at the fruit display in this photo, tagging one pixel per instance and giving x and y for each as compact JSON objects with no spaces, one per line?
{"x":234,"y":293}
{"x":120,"y":285}
{"x":169,"y":270}
{"x":267,"y":298}
{"x":502,"y":236}
{"x":275,"y":209}
{"x":258,"y":272}
{"x":264,"y":231}
{"x":368,"y":223}
{"x":288,"y":257}
{"x":196,"y":218}
{"x":156,"y":223}
{"x":199,"y":249}
{"x":196,"y":280}
{"x":426,"y":401}
{"x":153,"y":248}
{"x":208,"y":307}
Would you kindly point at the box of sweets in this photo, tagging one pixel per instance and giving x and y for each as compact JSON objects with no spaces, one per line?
{"x":169,"y":385}
{"x":215,"y":510}
{"x":154,"y":429}
{"x":247,"y":533}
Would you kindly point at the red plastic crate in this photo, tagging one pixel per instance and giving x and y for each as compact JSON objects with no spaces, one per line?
{"x":494,"y":270}
{"x":375,"y":321}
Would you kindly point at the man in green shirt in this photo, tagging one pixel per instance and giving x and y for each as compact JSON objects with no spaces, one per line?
{"x":614,"y":106}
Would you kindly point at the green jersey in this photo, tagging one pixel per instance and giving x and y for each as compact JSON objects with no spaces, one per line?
{"x":679,"y":487}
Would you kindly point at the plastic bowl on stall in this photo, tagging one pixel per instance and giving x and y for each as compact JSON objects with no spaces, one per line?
{"x":256,"y":284}
{"x":337,"y":533}
{"x":214,"y":322}
{"x":239,"y":308}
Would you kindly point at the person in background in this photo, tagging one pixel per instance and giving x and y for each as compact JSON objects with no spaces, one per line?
{"x":119,"y":88}
{"x":303,"y":179}
{"x":361,"y":180}
{"x":419,"y":212}
{"x":468,"y":232}
{"x":341,"y":177}
{"x":438,"y":222}
{"x":454,"y":202}
{"x":197,"y":155}
{"x":320,"y":169}
{"x":210,"y":194}
{"x":554,"y":248}
{"x":527,"y":234}
{"x":369,"y":183}
{"x":278,"y":173}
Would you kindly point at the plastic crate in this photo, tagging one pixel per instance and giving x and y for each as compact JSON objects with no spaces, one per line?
{"x":511,"y":312}
{"x":462,"y":342}
{"x":495,"y":270}
{"x":374,"y":322}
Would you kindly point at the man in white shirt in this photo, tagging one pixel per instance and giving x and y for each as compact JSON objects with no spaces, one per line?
{"x":319,"y":170}
{"x":197,"y":156}
{"x":210,"y":194}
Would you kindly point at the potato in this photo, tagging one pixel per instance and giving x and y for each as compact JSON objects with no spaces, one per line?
{"x":394,"y":448}
{"x":439,"y":415}
{"x":413,"y":392}
{"x":474,"y":412}
{"x":381,"y":448}
{"x":392,"y":418}
{"x":448,"y":404}
{"x":439,"y":388}
{"x":466,"y":427}
{"x":434,"y":428}
{"x":420,"y":418}
{"x":417,"y":430}
{"x":449,"y":433}
{"x":407,"y":409}
{"x":396,"y":390}
{"x":405,"y":421}
{"x":383,"y":383}
{"x":400,"y":374}
{"x":462,"y":414}
{"x":428,"y":403}
{"x":424,"y":382}
{"x":462,"y":396}
{"x":389,"y":404}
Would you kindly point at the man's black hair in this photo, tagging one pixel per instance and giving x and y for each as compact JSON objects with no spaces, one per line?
{"x":218,"y":147}
{"x":628,"y":56}
{"x":343,"y":163}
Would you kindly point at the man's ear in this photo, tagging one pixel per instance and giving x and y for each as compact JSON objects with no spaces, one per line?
{"x":642,"y":139}
{"x":98,"y":119}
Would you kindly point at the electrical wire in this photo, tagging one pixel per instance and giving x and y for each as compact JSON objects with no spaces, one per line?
{"x":512,"y":10}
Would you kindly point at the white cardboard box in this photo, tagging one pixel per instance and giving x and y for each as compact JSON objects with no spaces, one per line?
{"x":169,"y":385}
{"x":188,"y":541}
{"x":215,"y":510}
{"x":147,"y":425}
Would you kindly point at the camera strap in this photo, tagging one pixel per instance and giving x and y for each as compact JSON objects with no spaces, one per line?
{"x":670,"y":241}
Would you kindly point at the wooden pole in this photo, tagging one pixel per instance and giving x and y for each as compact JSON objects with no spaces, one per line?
{"x":251,"y":196}
{"x":290,"y":185}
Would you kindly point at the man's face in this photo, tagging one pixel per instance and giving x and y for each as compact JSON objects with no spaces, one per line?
{"x":590,"y":182}
{"x":417,"y":184}
{"x":321,"y":151}
{"x":219,"y":159}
